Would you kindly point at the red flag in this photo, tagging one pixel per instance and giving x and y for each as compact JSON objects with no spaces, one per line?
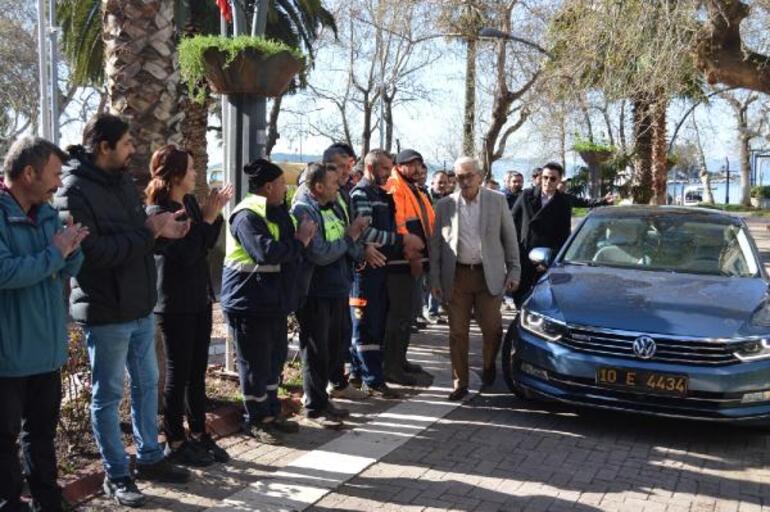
{"x":224,"y":8}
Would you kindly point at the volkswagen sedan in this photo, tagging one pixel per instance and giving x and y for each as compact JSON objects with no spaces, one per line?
{"x":654,"y":310}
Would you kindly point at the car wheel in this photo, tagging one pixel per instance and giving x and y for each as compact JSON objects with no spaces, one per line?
{"x":508,"y":360}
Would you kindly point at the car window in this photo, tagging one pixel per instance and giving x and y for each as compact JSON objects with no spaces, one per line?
{"x":667,"y":243}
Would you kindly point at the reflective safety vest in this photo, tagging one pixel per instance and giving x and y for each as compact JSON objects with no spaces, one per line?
{"x":334,"y":227}
{"x":236,"y":257}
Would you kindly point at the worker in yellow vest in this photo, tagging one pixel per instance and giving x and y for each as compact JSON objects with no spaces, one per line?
{"x":264,"y":253}
{"x":327,"y":278}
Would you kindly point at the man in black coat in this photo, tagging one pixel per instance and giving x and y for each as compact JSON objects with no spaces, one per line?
{"x":543,"y":217}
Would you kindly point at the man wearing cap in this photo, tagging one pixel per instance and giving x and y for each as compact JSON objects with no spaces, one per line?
{"x":414,"y":214}
{"x":324,"y":317}
{"x":259,"y":290}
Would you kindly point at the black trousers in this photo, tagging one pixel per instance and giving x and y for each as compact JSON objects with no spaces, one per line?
{"x":30,"y":406}
{"x":324,"y":337}
{"x":187,"y":338}
{"x":402,"y":296}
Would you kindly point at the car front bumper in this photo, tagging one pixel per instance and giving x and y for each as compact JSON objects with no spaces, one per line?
{"x":715,"y":393}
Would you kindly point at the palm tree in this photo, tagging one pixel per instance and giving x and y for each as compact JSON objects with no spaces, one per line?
{"x":132,"y":45}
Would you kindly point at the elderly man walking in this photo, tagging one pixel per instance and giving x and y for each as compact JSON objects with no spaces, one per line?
{"x":473,"y":260}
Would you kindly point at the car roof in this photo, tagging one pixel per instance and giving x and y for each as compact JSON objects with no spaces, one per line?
{"x":639,"y":210}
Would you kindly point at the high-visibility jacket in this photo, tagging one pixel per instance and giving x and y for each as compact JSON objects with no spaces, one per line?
{"x":409,"y":214}
{"x":236,"y":257}
{"x":268,"y":284}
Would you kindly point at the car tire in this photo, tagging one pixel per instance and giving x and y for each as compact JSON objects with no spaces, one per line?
{"x":508,"y":360}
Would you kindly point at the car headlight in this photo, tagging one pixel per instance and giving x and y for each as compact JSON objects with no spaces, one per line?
{"x":753,"y":350}
{"x":543,"y":326}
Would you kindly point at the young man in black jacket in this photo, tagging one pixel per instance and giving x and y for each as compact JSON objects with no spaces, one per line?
{"x":542,"y":216}
{"x":113,"y":297}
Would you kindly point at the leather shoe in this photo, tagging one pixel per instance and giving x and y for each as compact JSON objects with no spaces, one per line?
{"x":458,"y":394}
{"x":488,"y":376}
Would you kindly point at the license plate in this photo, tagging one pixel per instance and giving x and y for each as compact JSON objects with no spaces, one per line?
{"x":651,"y":382}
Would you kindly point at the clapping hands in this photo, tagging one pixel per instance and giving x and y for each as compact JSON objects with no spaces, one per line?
{"x":216,"y":200}
{"x":68,"y":239}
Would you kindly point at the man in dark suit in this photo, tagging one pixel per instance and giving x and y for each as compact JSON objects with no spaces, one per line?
{"x":542,"y":216}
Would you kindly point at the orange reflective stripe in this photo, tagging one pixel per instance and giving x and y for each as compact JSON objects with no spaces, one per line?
{"x":357,"y":301}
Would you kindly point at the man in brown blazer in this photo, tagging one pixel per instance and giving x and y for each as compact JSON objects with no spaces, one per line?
{"x":474,"y":259}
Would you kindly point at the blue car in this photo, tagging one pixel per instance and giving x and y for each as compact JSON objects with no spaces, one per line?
{"x":654,"y":310}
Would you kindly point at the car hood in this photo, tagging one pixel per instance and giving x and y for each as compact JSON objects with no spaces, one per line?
{"x":654,"y":302}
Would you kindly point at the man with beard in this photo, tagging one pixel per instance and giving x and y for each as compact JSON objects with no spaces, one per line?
{"x":414,"y":214}
{"x":439,"y":186}
{"x":542,"y":216}
{"x":369,"y":296}
{"x":514,"y":183}
{"x":113,"y":298}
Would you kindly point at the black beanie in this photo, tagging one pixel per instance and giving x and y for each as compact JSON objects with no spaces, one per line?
{"x":261,"y":171}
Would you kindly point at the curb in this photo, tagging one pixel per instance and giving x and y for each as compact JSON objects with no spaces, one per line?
{"x":87,"y":482}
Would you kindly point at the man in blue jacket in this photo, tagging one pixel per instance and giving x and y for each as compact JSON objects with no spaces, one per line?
{"x":259,"y":291}
{"x":37,"y":256}
{"x":324,"y":316}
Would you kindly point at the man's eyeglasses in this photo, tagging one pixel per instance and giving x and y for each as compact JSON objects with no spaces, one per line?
{"x":464,"y":177}
{"x":549,"y":178}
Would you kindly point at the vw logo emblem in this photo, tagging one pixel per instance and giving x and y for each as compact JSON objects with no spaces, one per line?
{"x":644,"y":347}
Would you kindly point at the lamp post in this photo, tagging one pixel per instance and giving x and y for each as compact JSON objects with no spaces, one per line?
{"x":47,"y":42}
{"x":244,"y":134}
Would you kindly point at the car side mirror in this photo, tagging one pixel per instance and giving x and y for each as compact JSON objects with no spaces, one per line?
{"x":540,"y":256}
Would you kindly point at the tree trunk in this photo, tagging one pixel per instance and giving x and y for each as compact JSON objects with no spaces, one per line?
{"x":272,"y":125}
{"x":745,"y":158}
{"x":388,"y":123}
{"x":705,"y":176}
{"x":366,"y":132}
{"x":659,"y":152}
{"x":469,"y":119}
{"x":143,"y":75}
{"x":642,"y":189}
{"x":194,"y":127}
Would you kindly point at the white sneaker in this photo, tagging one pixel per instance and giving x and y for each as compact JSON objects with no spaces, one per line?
{"x":348,"y":393}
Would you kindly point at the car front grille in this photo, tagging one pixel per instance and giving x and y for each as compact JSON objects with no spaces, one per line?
{"x":669,"y":350}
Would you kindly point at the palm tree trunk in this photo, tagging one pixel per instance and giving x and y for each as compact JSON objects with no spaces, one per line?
{"x":272,"y":125}
{"x":142,"y":74}
{"x":194,"y":127}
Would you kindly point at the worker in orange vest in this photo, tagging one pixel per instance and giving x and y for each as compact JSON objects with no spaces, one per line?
{"x":414,"y":214}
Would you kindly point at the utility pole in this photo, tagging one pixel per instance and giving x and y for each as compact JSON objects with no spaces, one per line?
{"x":43,"y":79}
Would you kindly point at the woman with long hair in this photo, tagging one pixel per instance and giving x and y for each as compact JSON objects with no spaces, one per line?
{"x":184,"y":307}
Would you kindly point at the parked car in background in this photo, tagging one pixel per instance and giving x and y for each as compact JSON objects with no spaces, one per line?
{"x":655,"y":310}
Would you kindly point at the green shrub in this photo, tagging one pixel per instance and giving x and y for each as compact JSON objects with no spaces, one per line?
{"x":191,"y":50}
{"x":760,"y":192}
{"x":582,"y":145}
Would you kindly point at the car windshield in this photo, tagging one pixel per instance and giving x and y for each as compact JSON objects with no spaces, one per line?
{"x":673,"y":243}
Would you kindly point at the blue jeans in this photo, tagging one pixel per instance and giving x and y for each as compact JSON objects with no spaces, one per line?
{"x":112,"y":349}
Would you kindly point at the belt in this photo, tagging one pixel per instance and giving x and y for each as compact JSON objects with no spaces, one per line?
{"x":471,"y":266}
